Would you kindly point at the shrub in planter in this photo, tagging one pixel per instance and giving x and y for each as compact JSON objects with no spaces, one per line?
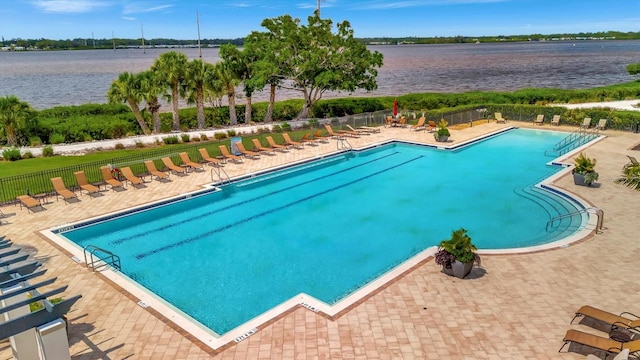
{"x":583,"y":170}
{"x":457,"y":254}
{"x":442,"y":134}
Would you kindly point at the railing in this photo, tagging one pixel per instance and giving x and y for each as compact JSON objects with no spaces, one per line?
{"x":99,"y":258}
{"x":343,"y":144}
{"x":572,"y":141}
{"x":597,"y":211}
{"x":222,"y":175}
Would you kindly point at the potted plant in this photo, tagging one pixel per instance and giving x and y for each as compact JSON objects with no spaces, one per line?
{"x":583,"y":170}
{"x":442,"y":134}
{"x":457,"y":254}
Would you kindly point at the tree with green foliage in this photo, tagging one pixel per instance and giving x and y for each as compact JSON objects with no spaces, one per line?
{"x":150,"y":88}
{"x":633,"y":69}
{"x":242,"y":65}
{"x":314,"y":60}
{"x":630,"y":176}
{"x":196,"y":79}
{"x":228,"y":81}
{"x":15,"y":117}
{"x":127,"y":89}
{"x":171,"y":66}
{"x":265,"y":69}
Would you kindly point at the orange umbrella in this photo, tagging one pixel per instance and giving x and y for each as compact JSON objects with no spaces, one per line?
{"x":395,"y":107}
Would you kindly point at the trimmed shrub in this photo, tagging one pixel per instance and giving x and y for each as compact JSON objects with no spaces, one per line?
{"x":195,"y":139}
{"x":47,"y":151}
{"x":119,"y":146}
{"x":56,"y":138}
{"x":185,"y":138}
{"x":276,"y":128}
{"x":35,"y":141}
{"x":11,"y":154}
{"x":204,"y":137}
{"x":139,"y":144}
{"x":171,"y":140}
{"x":27,"y":155}
{"x":220,"y":136}
{"x":231,"y":133}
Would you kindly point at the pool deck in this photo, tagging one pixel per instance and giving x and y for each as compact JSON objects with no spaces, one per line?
{"x":513,"y":306}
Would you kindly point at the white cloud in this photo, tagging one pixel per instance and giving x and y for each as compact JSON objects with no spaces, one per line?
{"x":70,"y":6}
{"x":143,"y":7}
{"x":128,"y":18}
{"x":420,"y":3}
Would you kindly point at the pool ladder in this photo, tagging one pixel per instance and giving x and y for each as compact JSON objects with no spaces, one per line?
{"x":99,"y":258}
{"x":592,"y":210}
{"x":342,"y":143}
{"x":222,"y":175}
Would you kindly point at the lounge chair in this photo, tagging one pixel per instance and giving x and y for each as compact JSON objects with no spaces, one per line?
{"x":556,"y":120}
{"x":432,"y":126}
{"x":187,"y":161}
{"x":62,"y":191}
{"x":168,"y":163}
{"x":320,"y":137}
{"x":371,"y":129}
{"x":500,"y":118}
{"x":389,"y":120}
{"x":109,"y":179}
{"x":274,"y":145}
{"x":632,"y":162}
{"x":419,"y":125}
{"x":131,"y":178}
{"x":245,"y":152}
{"x":228,"y":155}
{"x":151,"y":167}
{"x":586,"y":123}
{"x":258,"y":146}
{"x":539,"y":120}
{"x":81,"y":178}
{"x":602,"y":124}
{"x":622,"y":355}
{"x":358,"y":131}
{"x":606,"y":345}
{"x":29,"y":202}
{"x":631,"y":321}
{"x":340,"y":133}
{"x":208,"y":159}
{"x":306,"y":139}
{"x":288,"y":141}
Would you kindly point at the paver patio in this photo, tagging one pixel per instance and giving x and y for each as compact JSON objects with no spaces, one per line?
{"x":514,"y":306}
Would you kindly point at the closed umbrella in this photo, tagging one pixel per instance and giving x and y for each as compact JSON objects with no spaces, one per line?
{"x":395,"y":107}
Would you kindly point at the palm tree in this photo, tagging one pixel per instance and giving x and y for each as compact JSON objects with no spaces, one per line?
{"x":196,"y":77}
{"x":241,"y":63}
{"x":171,"y":66}
{"x":127,"y":89}
{"x":150,"y":88}
{"x":630,"y":176}
{"x":15,"y":116}
{"x":229,"y":82}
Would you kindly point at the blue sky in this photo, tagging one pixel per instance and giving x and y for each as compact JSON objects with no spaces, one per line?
{"x":68,"y":19}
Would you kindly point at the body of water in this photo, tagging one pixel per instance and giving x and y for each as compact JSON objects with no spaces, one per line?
{"x":51,"y":78}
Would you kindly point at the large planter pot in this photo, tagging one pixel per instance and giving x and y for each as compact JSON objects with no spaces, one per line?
{"x":579,"y":179}
{"x":443,"y":138}
{"x":459,"y":269}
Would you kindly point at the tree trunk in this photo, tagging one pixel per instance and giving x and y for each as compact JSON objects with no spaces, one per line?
{"x":233,"y":117}
{"x":247,"y":111}
{"x":154,"y":109}
{"x":136,"y":112}
{"x":174,"y":102}
{"x":272,"y":99}
{"x":304,"y":113}
{"x":12,"y":137}
{"x":200,"y":106}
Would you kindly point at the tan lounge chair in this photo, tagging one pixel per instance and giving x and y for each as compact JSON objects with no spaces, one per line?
{"x":611,"y":347}
{"x":419,"y":125}
{"x":151,"y":167}
{"x":245,"y":152}
{"x":208,"y":159}
{"x":358,"y":131}
{"x":403,"y":121}
{"x":228,"y":155}
{"x":630,"y":321}
{"x":556,"y":120}
{"x":539,"y":120}
{"x":81,"y":178}
{"x":173,"y":167}
{"x":371,"y":129}
{"x":432,"y":126}
{"x":131,"y":178}
{"x":389,"y":121}
{"x":61,"y":190}
{"x":29,"y":202}
{"x":321,"y":138}
{"x":632,"y":162}
{"x":187,"y":161}
{"x":274,"y":145}
{"x":602,"y":124}
{"x":340,"y":133}
{"x":306,"y":139}
{"x":288,"y":141}
{"x":500,"y":118}
{"x":109,"y":179}
{"x":258,"y":146}
{"x":586,"y":123}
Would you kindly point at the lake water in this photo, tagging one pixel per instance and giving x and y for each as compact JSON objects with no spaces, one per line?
{"x":51,"y":78}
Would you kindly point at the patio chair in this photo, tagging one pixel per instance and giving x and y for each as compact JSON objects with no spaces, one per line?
{"x":306,"y":139}
{"x":606,"y":345}
{"x":556,"y":120}
{"x":168,"y":163}
{"x":62,"y":191}
{"x":499,"y":118}
{"x":358,"y":131}
{"x":151,"y":167}
{"x":371,"y":129}
{"x":208,"y":159}
{"x":602,"y":124}
{"x":632,"y":162}
{"x":321,"y":138}
{"x":340,"y":133}
{"x":622,"y":355}
{"x":288,"y":141}
{"x":419,"y":125}
{"x":134,"y":180}
{"x":187,"y":161}
{"x":432,"y":126}
{"x":29,"y":203}
{"x":245,"y":152}
{"x":630,"y":321}
{"x":389,"y":121}
{"x":228,"y":155}
{"x":81,"y":178}
{"x":109,"y":179}
{"x":275,"y":145}
{"x":586,"y":123}
{"x":258,"y":146}
{"x":539,"y":120}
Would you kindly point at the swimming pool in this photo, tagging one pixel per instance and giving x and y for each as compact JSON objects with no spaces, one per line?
{"x":329,"y":227}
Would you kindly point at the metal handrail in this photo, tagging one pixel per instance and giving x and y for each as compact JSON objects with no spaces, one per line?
{"x":580,"y":136}
{"x":342,"y":143}
{"x":592,"y":210}
{"x":220,"y":171}
{"x":110,"y":259}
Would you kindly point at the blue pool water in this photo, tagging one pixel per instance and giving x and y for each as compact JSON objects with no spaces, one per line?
{"x":329,"y":227}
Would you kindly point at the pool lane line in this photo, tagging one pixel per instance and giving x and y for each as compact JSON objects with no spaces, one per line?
{"x":207,"y":214}
{"x":279,"y":208}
